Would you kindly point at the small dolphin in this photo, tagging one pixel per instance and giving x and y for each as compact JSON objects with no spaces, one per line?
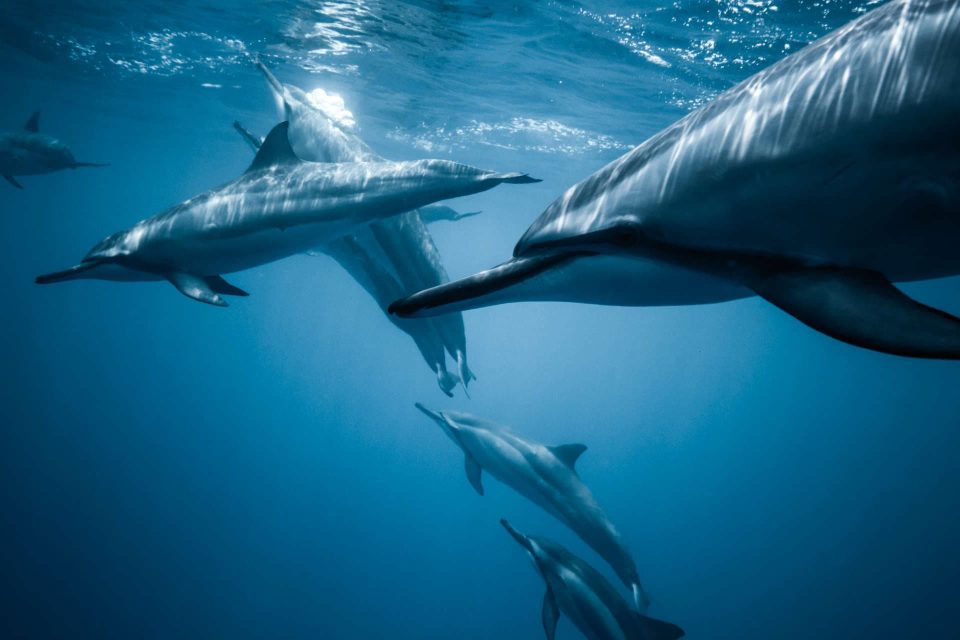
{"x":583,"y":595}
{"x":813,"y":184}
{"x":438,"y":212}
{"x":398,"y":248}
{"x":30,"y":153}
{"x":280,"y":207}
{"x":547,"y":477}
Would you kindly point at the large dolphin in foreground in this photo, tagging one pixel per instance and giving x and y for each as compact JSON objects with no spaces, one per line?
{"x":547,"y":477}
{"x":280,"y":206}
{"x":813,"y":184}
{"x":391,"y":258}
{"x":577,"y":590}
{"x":29,"y":153}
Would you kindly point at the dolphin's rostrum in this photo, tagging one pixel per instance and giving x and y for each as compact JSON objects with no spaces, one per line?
{"x":577,"y":590}
{"x":546,"y":476}
{"x":813,"y":184}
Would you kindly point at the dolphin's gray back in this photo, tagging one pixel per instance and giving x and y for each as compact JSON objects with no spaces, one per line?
{"x":891,"y":77}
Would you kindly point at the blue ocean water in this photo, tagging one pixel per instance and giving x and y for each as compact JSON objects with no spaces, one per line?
{"x":175,"y":470}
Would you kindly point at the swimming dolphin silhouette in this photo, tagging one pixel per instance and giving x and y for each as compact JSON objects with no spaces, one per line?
{"x":547,"y":477}
{"x":813,"y":184}
{"x":580,"y":592}
{"x":395,"y":255}
{"x":30,"y":153}
{"x":280,"y":207}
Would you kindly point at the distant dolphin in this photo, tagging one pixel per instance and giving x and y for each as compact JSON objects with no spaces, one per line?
{"x":577,"y":590}
{"x":399,"y":249}
{"x":547,"y":477}
{"x":30,"y":153}
{"x":280,"y":207}
{"x":813,"y":184}
{"x":438,"y":212}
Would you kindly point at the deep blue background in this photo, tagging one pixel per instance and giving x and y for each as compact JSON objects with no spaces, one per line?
{"x":171,"y":469}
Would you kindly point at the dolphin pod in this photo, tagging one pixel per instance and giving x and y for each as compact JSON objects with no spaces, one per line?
{"x":546,"y":476}
{"x":30,"y":153}
{"x":577,"y":590}
{"x":281,"y":206}
{"x":389,"y":258}
{"x":813,"y":184}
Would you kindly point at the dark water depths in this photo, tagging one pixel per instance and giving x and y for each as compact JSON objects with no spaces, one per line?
{"x":173,"y":470}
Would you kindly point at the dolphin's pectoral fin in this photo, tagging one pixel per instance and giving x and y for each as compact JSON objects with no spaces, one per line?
{"x":218,"y":285}
{"x":653,"y":629}
{"x":862,"y":308}
{"x":549,"y":614}
{"x":568,"y":454}
{"x":473,"y":473}
{"x":195,"y":287}
{"x":12,"y":181}
{"x":33,"y":124}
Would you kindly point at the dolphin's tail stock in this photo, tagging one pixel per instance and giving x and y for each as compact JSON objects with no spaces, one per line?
{"x":490,"y":287}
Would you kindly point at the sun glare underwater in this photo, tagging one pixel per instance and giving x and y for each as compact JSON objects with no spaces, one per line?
{"x":476,"y":319}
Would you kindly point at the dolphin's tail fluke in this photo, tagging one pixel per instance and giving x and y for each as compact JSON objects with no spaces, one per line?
{"x":653,"y":629}
{"x":479,"y":290}
{"x":88,"y":164}
{"x":67,"y":274}
{"x":448,"y":382}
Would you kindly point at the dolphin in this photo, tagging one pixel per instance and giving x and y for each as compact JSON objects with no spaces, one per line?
{"x":438,"y":212}
{"x":280,"y":206}
{"x":401,"y":247}
{"x":546,"y":476}
{"x":362,"y":264}
{"x":30,"y":153}
{"x":584,"y":595}
{"x":814,"y":184}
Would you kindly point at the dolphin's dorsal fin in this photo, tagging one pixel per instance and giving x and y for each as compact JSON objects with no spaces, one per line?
{"x":568,"y":454}
{"x":549,"y":614}
{"x":275,"y":150}
{"x":474,"y":472}
{"x":33,"y":124}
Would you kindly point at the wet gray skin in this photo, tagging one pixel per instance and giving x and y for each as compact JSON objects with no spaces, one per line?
{"x":813,"y":184}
